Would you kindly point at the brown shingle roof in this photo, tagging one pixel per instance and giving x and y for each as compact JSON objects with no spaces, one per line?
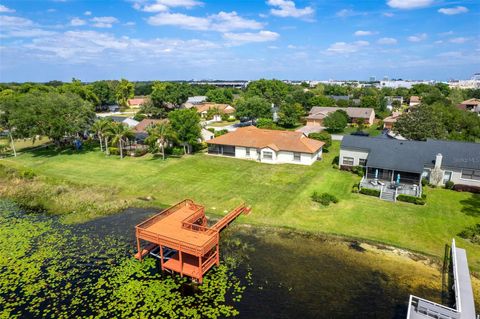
{"x":142,"y":126}
{"x":252,"y":136}
{"x":415,"y":99}
{"x":319,"y":113}
{"x":392,"y":118}
{"x":224,"y":108}
{"x":471,"y":102}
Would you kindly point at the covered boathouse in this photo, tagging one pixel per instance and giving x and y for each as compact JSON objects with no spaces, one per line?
{"x":180,"y":237}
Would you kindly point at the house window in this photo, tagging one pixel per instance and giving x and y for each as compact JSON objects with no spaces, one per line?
{"x":471,"y":174}
{"x":362,"y":162}
{"x":247,"y":151}
{"x":297,"y":157}
{"x":348,"y":161}
{"x":267,"y":155}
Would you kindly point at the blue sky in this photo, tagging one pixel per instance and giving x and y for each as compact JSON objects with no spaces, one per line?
{"x":241,"y":39}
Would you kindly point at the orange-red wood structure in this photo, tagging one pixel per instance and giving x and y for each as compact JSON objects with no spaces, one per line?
{"x":182,"y":230}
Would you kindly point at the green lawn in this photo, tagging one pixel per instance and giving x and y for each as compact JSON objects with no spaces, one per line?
{"x":372,"y":130}
{"x":278,"y":194}
{"x":23,"y":144}
{"x":223,"y":123}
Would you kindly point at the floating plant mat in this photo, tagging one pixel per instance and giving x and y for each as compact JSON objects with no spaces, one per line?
{"x":51,"y":270}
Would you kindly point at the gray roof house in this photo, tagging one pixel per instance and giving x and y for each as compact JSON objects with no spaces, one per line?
{"x":407,"y":162}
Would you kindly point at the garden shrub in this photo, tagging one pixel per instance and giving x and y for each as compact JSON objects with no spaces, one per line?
{"x":370,"y":192}
{"x":27,"y":174}
{"x":466,"y":188}
{"x":358,"y":170}
{"x":449,"y":185}
{"x":225,"y":117}
{"x":231,"y":119}
{"x":335,"y":166}
{"x":140,"y":152}
{"x":324,"y":137}
{"x":355,"y":189}
{"x":411,"y":199}
{"x":220,"y":132}
{"x":471,"y":233}
{"x":211,"y":129}
{"x":114,"y":150}
{"x":324,"y":198}
{"x":177,"y":151}
{"x":424,"y":182}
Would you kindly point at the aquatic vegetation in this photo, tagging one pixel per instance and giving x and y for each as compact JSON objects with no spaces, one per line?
{"x":49,"y":269}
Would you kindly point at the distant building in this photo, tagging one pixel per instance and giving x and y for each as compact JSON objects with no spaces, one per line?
{"x":207,"y":135}
{"x":130,"y":122}
{"x":222,"y":109}
{"x":318,"y":114}
{"x":136,"y":102}
{"x":394,"y":84}
{"x":146,"y":123}
{"x":390,"y":100}
{"x":414,"y":100}
{"x":390,"y":121}
{"x":194,"y":100}
{"x":472,"y":105}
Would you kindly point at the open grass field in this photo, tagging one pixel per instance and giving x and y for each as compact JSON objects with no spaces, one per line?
{"x":278,"y":194}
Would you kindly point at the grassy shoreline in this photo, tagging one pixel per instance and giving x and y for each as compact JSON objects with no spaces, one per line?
{"x":278,"y":194}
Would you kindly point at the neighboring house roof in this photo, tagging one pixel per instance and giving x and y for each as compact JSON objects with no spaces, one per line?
{"x":130,"y":122}
{"x":207,"y":135}
{"x":223,"y":108}
{"x":252,"y":136}
{"x":319,"y":113}
{"x":392,"y":118}
{"x":136,"y":101}
{"x":145,"y":123}
{"x":414,"y":99}
{"x":470,"y":103}
{"x":413,"y":156}
{"x":196,"y":99}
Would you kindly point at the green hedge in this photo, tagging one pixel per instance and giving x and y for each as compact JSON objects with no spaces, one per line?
{"x":324,"y":198}
{"x":370,"y":192}
{"x":411,"y":199}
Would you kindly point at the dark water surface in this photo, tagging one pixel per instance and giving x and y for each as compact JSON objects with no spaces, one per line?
{"x":295,"y":276}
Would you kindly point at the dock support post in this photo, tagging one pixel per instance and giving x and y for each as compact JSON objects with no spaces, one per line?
{"x":161,"y":257}
{"x":138,"y":248}
{"x":181,"y":263}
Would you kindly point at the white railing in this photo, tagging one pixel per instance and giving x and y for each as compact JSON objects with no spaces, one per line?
{"x":431,"y":309}
{"x":456,"y":285}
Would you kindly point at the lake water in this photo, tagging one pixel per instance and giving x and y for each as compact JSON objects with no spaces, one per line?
{"x":296,"y":276}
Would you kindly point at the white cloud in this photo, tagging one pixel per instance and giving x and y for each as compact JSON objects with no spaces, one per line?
{"x":17,"y":27}
{"x":129,"y":24}
{"x":345,"y":48}
{"x":77,"y":22}
{"x":287,"y":8}
{"x":388,"y":41}
{"x":180,"y":20}
{"x":4,"y":9}
{"x":458,"y":40}
{"x":452,"y":11}
{"x":446,"y":33}
{"x":417,"y":37}
{"x":164,"y":5}
{"x":88,"y":13}
{"x":103,"y":22}
{"x":82,"y":46}
{"x":247,"y":37}
{"x":220,"y":22}
{"x":348,"y":13}
{"x":388,"y":14}
{"x":361,"y":33}
{"x":409,"y":4}
{"x":11,"y":21}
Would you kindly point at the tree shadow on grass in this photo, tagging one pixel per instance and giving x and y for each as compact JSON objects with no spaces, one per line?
{"x":471,"y":206}
{"x":51,"y":151}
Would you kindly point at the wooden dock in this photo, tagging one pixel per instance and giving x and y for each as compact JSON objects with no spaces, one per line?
{"x":183,"y":229}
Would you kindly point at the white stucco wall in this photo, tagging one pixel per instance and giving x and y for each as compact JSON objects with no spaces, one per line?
{"x":355,"y":154}
{"x":457,"y":179}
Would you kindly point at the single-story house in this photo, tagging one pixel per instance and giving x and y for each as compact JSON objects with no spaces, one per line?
{"x":207,"y":135}
{"x":318,"y":114}
{"x":390,"y":121}
{"x":136,"y":102}
{"x":130,"y":122}
{"x":414,"y":100}
{"x":267,"y":146}
{"x":472,"y":105}
{"x":203,"y":109}
{"x":146,"y":123}
{"x":407,"y":162}
{"x":194,"y":100}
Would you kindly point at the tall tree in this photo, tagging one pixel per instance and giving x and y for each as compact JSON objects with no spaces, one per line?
{"x":120,"y":133}
{"x":186,"y":125}
{"x":290,"y":114}
{"x":101,"y":127}
{"x":274,"y":91}
{"x":253,"y":108}
{"x":124,"y":91}
{"x":161,"y":134}
{"x":336,"y":121}
{"x":421,"y":123}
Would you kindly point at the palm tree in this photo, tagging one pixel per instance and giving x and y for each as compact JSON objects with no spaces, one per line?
{"x":101,"y":127}
{"x":161,"y":133}
{"x":119,"y":133}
